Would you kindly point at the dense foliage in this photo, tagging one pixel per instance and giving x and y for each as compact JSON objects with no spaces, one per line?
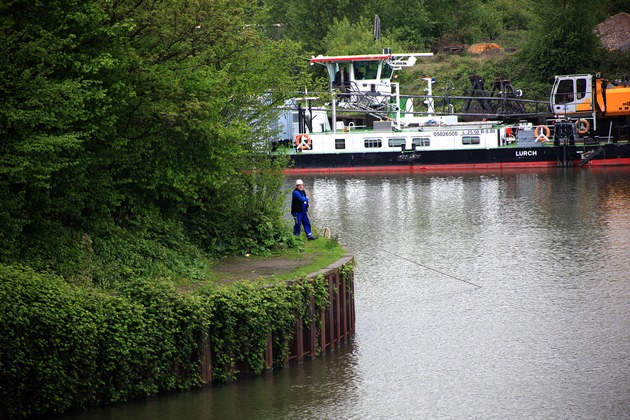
{"x":550,"y":37}
{"x":562,"y":40}
{"x":419,"y":24}
{"x":64,"y":346}
{"x":130,"y":129}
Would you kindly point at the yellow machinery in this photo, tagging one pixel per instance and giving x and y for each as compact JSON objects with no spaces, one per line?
{"x":588,"y":98}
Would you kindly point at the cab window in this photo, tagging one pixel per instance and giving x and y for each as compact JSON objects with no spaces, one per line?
{"x":564,"y":93}
{"x":581,"y":88}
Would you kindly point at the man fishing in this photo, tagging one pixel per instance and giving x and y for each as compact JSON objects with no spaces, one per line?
{"x":299,"y":210}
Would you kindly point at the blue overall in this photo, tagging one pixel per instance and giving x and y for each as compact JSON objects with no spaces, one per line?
{"x":299,"y":211}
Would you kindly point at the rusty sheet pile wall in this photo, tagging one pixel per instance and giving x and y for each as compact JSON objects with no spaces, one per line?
{"x":337,"y":323}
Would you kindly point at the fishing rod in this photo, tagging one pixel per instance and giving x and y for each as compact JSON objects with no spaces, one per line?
{"x":432,"y":269}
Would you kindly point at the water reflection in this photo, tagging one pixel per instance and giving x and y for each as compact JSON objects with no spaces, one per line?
{"x":547,"y":335}
{"x":549,"y":324}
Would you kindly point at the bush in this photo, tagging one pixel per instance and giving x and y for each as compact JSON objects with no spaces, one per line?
{"x":47,"y":341}
{"x":65,"y":347}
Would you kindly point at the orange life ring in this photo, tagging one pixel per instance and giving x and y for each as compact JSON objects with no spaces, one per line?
{"x":582,"y":125}
{"x":303,"y":142}
{"x":538,"y":133}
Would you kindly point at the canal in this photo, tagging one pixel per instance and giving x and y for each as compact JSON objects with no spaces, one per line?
{"x":478,"y":295}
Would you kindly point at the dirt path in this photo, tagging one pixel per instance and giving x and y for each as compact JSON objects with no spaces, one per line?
{"x":248,"y":268}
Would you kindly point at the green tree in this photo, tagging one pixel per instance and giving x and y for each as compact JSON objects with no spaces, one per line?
{"x":405,"y":21}
{"x":561,"y":40}
{"x":54,"y":104}
{"x":121,"y":119}
{"x":346,"y":38}
{"x":454,"y":21}
{"x":613,"y":7}
{"x":308,"y":21}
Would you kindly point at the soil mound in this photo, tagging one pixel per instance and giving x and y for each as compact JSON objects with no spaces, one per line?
{"x":614,"y":32}
{"x":483,"y":47}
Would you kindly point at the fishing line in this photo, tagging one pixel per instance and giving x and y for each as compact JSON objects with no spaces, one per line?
{"x":432,"y":269}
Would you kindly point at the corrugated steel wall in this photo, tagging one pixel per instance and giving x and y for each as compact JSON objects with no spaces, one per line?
{"x":337,"y":324}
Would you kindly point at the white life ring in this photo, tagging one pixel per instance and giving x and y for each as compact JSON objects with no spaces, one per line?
{"x":303,"y":142}
{"x":538,"y":133}
{"x":582,"y":125}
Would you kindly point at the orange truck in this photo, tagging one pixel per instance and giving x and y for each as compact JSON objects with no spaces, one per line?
{"x":595,"y":105}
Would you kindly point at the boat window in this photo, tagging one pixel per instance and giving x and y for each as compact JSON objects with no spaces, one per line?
{"x":580,"y":88}
{"x":564,"y":93}
{"x":366,"y":70}
{"x":340,"y":144}
{"x":387,"y":72}
{"x":420,"y":142}
{"x":372,"y":142}
{"x":397,"y":142}
{"x":470,"y":140}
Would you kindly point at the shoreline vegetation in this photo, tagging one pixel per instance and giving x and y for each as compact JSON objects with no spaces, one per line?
{"x":72,"y":347}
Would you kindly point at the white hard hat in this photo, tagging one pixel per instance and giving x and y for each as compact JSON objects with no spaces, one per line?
{"x":299,"y":182}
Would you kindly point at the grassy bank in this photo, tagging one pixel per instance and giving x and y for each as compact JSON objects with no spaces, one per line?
{"x":285,"y":265}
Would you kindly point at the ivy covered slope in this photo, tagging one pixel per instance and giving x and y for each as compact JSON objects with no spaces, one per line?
{"x":65,"y":347}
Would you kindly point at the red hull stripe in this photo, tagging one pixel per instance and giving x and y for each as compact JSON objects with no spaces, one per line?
{"x":452,"y":167}
{"x":609,"y":162}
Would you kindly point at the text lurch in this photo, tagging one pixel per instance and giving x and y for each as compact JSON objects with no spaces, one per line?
{"x":526,"y":153}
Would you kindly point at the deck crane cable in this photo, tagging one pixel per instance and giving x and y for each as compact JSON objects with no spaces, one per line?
{"x":432,"y":269}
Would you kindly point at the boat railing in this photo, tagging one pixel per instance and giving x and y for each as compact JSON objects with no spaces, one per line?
{"x":490,"y":106}
{"x":382,"y":105}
